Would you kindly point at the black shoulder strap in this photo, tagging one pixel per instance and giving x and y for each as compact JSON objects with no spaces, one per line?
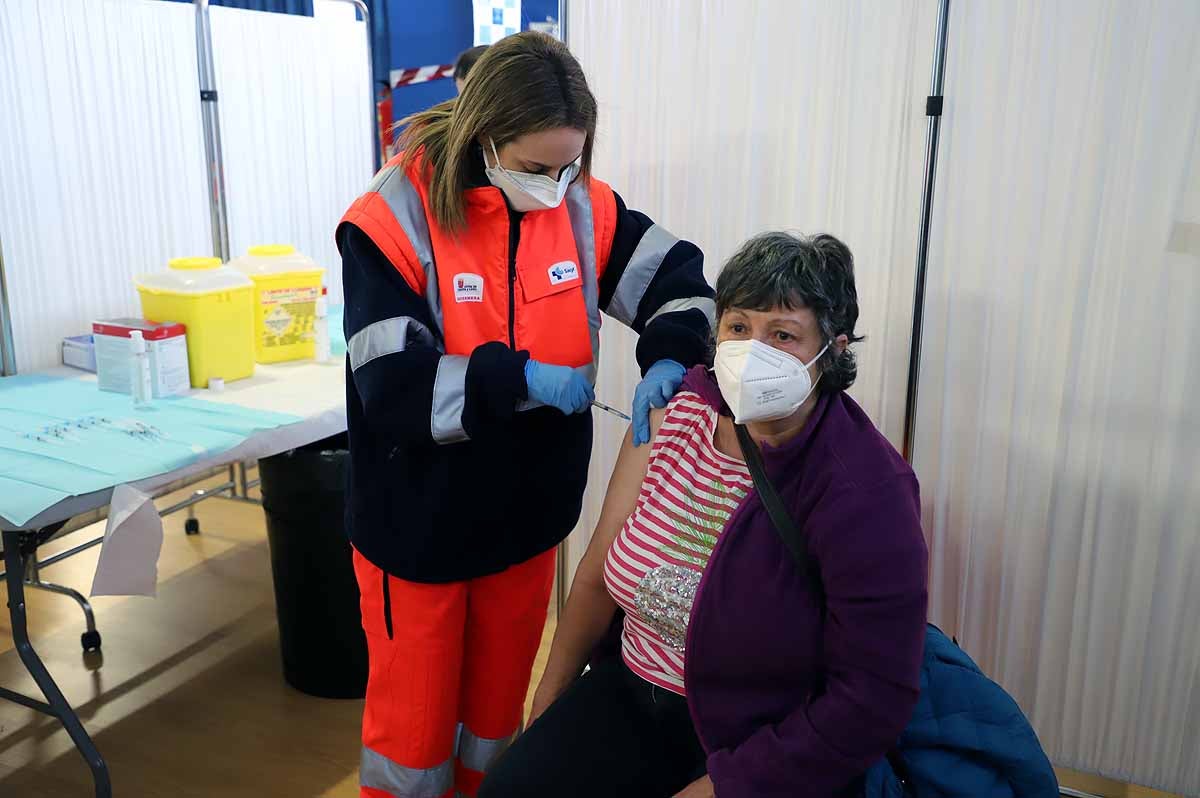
{"x":780,"y":517}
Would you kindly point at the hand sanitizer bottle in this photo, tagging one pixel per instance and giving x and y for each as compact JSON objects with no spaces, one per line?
{"x":139,"y":363}
{"x":321,"y":327}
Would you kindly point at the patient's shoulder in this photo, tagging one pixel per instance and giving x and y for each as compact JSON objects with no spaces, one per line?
{"x":657,"y":416}
{"x":687,"y":409}
{"x":685,"y":412}
{"x":688,"y":402}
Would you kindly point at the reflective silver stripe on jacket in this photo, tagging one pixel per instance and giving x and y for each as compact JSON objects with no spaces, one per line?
{"x":405,"y":204}
{"x":479,"y":753}
{"x":380,"y":773}
{"x":449,"y":399}
{"x":690,"y":303}
{"x":643,"y":265}
{"x":449,"y":394}
{"x":387,"y":337}
{"x":449,"y":387}
{"x":579,"y":211}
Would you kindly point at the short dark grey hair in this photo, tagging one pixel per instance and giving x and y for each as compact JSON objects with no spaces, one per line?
{"x":466,"y":59}
{"x":781,"y":270}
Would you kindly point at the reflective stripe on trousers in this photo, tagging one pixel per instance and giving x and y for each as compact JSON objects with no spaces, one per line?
{"x":474,"y":753}
{"x":478,"y":753}
{"x":378,"y":772}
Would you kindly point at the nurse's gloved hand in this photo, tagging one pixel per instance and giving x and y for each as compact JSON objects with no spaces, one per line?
{"x":558,"y":386}
{"x":661,"y":382}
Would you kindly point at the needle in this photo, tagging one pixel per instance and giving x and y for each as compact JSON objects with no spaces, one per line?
{"x":612,"y":410}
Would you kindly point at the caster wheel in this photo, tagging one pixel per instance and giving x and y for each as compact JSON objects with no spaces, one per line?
{"x":192,"y":526}
{"x":90,"y":641}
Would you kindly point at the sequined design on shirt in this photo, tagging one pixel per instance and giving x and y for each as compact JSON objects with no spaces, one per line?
{"x":664,"y":597}
{"x":654,"y":567}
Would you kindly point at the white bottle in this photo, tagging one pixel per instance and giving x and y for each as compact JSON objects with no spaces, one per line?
{"x":321,"y":328}
{"x":139,"y":363}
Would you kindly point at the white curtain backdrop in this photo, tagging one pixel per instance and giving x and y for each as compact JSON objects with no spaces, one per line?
{"x":725,"y":119}
{"x":1058,"y":437}
{"x":101,"y":162}
{"x":296,"y":128}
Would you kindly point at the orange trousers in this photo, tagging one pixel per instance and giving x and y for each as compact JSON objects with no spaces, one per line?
{"x":449,"y":672}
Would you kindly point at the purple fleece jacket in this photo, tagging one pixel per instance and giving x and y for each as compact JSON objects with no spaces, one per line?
{"x":789,"y":700}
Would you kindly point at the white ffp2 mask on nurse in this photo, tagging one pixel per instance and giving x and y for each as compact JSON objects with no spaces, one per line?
{"x":527,"y":192}
{"x":760,"y":382}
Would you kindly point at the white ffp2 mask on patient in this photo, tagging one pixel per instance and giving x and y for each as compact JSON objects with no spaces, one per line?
{"x":760,"y":382}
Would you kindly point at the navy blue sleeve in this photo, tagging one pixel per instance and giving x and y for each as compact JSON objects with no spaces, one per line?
{"x":410,"y":391}
{"x":654,"y":283}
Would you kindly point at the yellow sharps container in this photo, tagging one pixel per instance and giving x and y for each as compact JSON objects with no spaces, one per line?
{"x":286,"y":287}
{"x":216,"y":305}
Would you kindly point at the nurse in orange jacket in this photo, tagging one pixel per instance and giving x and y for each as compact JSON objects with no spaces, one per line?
{"x":476,"y":267}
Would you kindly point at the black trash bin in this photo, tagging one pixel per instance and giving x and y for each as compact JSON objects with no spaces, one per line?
{"x":316,"y":594}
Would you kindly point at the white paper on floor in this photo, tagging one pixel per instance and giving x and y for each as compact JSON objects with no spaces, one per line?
{"x":132,"y":543}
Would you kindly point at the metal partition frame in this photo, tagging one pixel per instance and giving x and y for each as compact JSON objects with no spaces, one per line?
{"x":366,"y":18}
{"x":933,"y":109}
{"x":8,"y":353}
{"x":211,"y":122}
{"x":218,"y":214}
{"x":562,"y":587}
{"x":211,"y":119}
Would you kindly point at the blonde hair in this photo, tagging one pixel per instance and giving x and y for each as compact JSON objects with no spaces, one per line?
{"x":525,"y":83}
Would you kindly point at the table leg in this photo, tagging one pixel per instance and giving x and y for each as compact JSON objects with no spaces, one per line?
{"x":90,"y":639}
{"x":57,"y":706}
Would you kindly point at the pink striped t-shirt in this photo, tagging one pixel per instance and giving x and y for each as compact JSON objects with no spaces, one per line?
{"x":655,"y":563}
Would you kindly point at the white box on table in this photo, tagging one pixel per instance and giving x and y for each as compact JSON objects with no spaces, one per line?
{"x":79,"y":352}
{"x":166,"y":343}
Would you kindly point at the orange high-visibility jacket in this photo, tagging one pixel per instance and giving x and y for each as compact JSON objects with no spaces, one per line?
{"x":454,"y":472}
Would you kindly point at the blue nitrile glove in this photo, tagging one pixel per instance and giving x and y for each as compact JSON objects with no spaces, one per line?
{"x":558,"y":386}
{"x":661,"y":382}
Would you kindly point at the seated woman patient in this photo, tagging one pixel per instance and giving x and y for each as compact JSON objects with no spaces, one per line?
{"x":739,"y":675}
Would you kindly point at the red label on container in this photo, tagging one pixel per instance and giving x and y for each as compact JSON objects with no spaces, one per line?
{"x":122,"y":328}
